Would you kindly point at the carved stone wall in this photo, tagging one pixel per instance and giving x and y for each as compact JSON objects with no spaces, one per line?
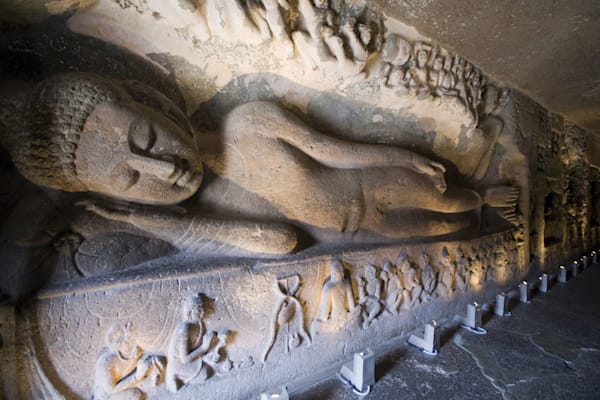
{"x":219,"y":197}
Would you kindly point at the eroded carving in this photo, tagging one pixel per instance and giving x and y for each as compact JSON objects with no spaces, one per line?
{"x":429,"y":277}
{"x":477,"y":270}
{"x":411,"y":282}
{"x":446,"y":274}
{"x":194,"y":353}
{"x":392,"y":288}
{"x":337,"y":307}
{"x":288,"y":317}
{"x":462,"y":270}
{"x":123,"y":365}
{"x":369,"y":295}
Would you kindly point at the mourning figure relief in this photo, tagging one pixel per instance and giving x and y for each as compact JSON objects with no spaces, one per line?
{"x":125,"y":141}
{"x":446,"y":275}
{"x":337,"y":306}
{"x":392,"y":288}
{"x":194,"y":353}
{"x":123,"y":365}
{"x":462,"y":270}
{"x":411,"y":282}
{"x":369,"y":296}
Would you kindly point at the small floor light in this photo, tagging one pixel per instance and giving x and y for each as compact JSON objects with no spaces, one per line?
{"x":282,"y":395}
{"x":472,"y":321}
{"x":501,"y":307}
{"x":562,"y":274}
{"x":544,"y":283}
{"x":360,"y":373}
{"x":585,"y":262}
{"x":524,"y":296}
{"x":574,"y":269}
{"x":430,"y":342}
{"x":594,"y":257}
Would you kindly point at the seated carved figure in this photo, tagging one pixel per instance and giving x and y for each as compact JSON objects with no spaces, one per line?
{"x":122,"y":366}
{"x":193,"y":352}
{"x":124,"y":140}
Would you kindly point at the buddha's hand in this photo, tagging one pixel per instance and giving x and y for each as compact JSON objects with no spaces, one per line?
{"x":433,"y":169}
{"x":136,"y":214}
{"x":114,"y":212}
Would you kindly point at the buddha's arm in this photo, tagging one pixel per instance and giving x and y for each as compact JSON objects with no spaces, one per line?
{"x":190,"y":233}
{"x":337,"y":153}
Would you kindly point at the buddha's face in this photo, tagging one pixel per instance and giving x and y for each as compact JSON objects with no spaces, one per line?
{"x":132,"y":152}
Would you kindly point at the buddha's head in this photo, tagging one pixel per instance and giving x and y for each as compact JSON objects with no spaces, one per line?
{"x":121,"y":139}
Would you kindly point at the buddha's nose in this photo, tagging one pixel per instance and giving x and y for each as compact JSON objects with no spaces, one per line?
{"x":163,"y":170}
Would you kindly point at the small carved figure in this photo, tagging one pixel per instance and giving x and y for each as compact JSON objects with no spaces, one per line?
{"x":288,"y":317}
{"x":499,"y":267}
{"x":459,"y":82}
{"x":337,"y":298}
{"x":392,"y":288}
{"x":435,"y":76}
{"x":477,"y":273}
{"x":446,"y":274}
{"x":418,"y":72}
{"x":123,"y":365}
{"x":448,"y":80}
{"x":229,"y":21}
{"x":193,"y":352}
{"x":359,"y":49}
{"x":396,"y":50}
{"x":428,"y":276}
{"x":266,"y":14}
{"x":462,"y":270}
{"x":411,"y":282}
{"x":369,"y":297}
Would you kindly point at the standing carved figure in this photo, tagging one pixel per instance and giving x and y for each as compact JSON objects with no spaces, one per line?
{"x":446,"y":274}
{"x":419,"y":73}
{"x":122,"y":366}
{"x":477,"y":273}
{"x":337,"y":306}
{"x":462,"y":270}
{"x":266,"y":14}
{"x":411,"y":282}
{"x":499,"y":270}
{"x":194,"y":353}
{"x":429,"y":277}
{"x":288,"y":316}
{"x":392,"y":288}
{"x":369,"y":297}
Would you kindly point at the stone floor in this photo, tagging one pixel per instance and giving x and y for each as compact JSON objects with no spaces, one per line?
{"x":547,"y":349}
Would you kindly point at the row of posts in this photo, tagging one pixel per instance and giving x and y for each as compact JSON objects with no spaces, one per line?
{"x":360,"y":372}
{"x":430,"y":342}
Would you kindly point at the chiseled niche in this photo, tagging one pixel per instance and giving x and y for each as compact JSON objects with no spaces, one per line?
{"x":334,"y":180}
